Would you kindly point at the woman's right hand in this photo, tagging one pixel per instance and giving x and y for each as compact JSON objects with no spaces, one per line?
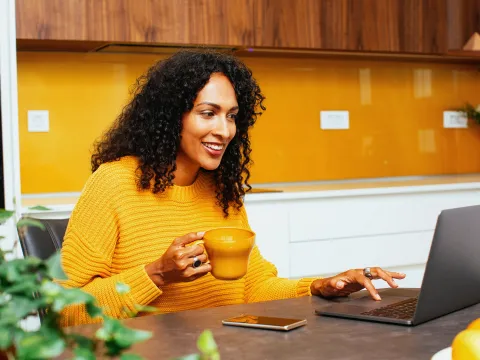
{"x":175,"y":265}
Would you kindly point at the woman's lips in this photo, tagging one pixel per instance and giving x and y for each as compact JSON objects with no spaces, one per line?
{"x":214,"y":149}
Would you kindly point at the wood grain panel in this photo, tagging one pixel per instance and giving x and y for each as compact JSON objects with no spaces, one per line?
{"x":376,"y":25}
{"x":367,"y":25}
{"x":287,"y":23}
{"x":422,"y":26}
{"x":416,"y":26}
{"x":463,"y":21}
{"x":212,"y":22}
{"x":397,"y":26}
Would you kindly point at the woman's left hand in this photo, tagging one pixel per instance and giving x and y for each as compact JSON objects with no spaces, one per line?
{"x":352,"y":281}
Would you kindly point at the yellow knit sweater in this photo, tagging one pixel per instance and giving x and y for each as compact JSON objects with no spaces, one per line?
{"x":115,"y":230}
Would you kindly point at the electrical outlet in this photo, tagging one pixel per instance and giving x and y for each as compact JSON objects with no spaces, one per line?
{"x":38,"y":121}
{"x":334,"y":120}
{"x":454,"y":119}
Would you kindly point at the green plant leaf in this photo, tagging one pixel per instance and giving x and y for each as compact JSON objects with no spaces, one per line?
{"x":113,"y":349}
{"x":82,"y":341}
{"x":83,"y":354}
{"x":126,"y":337}
{"x":118,"y":337}
{"x":146,"y":308}
{"x":5,"y":215}
{"x":16,"y":309}
{"x":214,"y":356}
{"x":50,"y":289}
{"x":30,"y":222}
{"x":102,"y":334}
{"x":17,"y":269}
{"x":122,"y":288}
{"x":93,"y":310}
{"x":31,"y":261}
{"x":6,"y":338}
{"x":206,"y":343}
{"x":12,"y":273}
{"x":105,"y":333}
{"x":130,"y":357}
{"x":39,"y":208}
{"x":54,"y":267}
{"x":4,"y":298}
{"x":40,"y":346}
{"x":190,"y":357}
{"x":128,"y":312}
{"x":69,"y":297}
{"x":26,"y":288}
{"x":8,"y":317}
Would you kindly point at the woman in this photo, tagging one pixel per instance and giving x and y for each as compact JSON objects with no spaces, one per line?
{"x":174,"y":165}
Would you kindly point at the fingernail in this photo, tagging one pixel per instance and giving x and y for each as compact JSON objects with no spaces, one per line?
{"x":201,"y":233}
{"x":394,"y":283}
{"x":339,"y":285}
{"x":377,"y":297}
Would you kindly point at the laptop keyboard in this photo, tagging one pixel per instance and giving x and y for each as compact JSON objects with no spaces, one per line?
{"x":400,"y":310}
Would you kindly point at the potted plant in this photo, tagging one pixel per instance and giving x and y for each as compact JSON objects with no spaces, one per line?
{"x":21,"y":278}
{"x":471,"y":112}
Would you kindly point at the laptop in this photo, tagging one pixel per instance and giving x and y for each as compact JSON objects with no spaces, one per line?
{"x":451,"y":280}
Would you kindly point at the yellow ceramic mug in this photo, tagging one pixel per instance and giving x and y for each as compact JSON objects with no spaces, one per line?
{"x":228,"y":250}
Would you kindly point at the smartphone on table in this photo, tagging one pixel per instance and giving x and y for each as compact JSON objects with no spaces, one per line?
{"x":265,"y":322}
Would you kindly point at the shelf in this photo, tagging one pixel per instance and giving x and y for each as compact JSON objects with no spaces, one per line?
{"x":469,"y":54}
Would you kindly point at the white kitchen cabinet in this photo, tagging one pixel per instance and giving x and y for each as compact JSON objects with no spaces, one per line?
{"x":326,"y":232}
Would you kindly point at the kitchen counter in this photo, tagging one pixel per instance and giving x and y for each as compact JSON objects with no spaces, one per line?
{"x":175,"y":334}
{"x":292,"y":191}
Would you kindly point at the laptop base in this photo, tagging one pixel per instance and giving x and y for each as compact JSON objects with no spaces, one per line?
{"x":352,"y":308}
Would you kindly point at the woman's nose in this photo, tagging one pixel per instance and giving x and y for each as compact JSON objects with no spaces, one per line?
{"x":221,"y":128}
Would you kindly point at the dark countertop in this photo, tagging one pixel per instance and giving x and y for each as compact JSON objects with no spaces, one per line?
{"x":175,"y":334}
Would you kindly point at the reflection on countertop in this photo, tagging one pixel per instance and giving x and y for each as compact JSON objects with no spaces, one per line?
{"x":352,"y":184}
{"x":259,"y":190}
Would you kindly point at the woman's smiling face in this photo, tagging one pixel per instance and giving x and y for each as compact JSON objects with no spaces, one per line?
{"x":210,"y":126}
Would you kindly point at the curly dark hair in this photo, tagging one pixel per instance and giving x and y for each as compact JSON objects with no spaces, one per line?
{"x":149,"y":126}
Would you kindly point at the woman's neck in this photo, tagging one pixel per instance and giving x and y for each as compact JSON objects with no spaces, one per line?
{"x":186,"y":172}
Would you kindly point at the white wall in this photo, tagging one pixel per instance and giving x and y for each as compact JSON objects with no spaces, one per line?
{"x":9,"y":108}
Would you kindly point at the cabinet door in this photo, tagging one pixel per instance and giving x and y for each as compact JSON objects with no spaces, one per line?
{"x":463,"y":21}
{"x":287,"y":23}
{"x":422,"y":26}
{"x":212,"y":22}
{"x":413,"y":26}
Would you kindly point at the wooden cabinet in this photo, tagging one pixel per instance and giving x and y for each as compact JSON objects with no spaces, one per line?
{"x":413,"y":26}
{"x":287,"y":24}
{"x":385,"y":26}
{"x":211,"y":22}
{"x":463,"y":20}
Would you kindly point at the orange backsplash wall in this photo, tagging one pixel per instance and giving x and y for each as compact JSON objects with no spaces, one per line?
{"x":396,"y":110}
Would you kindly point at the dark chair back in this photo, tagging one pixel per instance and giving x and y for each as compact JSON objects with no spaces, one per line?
{"x":43,"y":243}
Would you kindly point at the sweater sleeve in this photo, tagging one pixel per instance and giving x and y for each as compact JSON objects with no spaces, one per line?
{"x":262,"y":282}
{"x":87,"y":253}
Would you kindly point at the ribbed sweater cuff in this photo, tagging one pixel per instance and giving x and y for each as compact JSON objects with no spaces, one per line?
{"x":142,"y":289}
{"x":304,"y":287}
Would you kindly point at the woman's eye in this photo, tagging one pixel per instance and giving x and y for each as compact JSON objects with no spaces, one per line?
{"x":232,"y":116}
{"x":208,"y":113}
